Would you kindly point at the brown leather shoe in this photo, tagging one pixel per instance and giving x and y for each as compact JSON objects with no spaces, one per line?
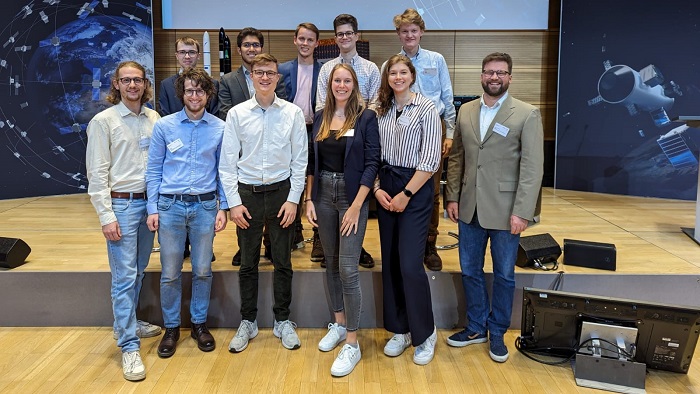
{"x":432,"y":260}
{"x":317,"y":250}
{"x":366,"y":259}
{"x":168,"y":343}
{"x":205,"y":341}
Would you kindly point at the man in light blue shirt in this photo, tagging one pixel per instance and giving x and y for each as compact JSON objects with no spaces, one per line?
{"x":185,"y":198}
{"x":432,"y":81}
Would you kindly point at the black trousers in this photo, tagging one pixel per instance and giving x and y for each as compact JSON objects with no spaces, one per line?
{"x":407,"y":303}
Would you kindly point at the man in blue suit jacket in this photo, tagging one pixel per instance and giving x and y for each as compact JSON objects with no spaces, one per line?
{"x":187,"y":55}
{"x":299,"y":78}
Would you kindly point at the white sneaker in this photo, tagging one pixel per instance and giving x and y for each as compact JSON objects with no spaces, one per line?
{"x":285,"y":331}
{"x":144,"y":329}
{"x":246,"y":331}
{"x":425,"y":351}
{"x":336,"y":334}
{"x":348,"y":357}
{"x":132,"y":366}
{"x":397,"y":344}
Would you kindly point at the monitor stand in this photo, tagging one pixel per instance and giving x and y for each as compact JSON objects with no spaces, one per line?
{"x":693,"y":233}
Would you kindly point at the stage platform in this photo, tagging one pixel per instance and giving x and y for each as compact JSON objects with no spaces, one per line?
{"x":66,"y":280}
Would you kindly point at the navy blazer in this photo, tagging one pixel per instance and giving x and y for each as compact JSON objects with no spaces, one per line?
{"x":362,"y":155}
{"x":234,"y":90}
{"x":168,"y":103}
{"x":288,"y":75}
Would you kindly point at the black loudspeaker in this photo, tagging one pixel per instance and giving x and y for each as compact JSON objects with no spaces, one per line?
{"x":13,"y":252}
{"x":541,"y":247}
{"x":590,"y":254}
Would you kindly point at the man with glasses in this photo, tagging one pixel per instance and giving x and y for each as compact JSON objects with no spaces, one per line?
{"x":185,"y":198}
{"x":300,"y":77}
{"x":368,"y":78}
{"x":263,"y":169}
{"x":494,"y":176}
{"x":187,"y":55}
{"x":116,"y":157}
{"x":237,"y":87}
{"x":433,"y":82}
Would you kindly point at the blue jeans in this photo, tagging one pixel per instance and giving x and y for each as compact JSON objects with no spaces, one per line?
{"x":177,"y":219}
{"x":482,"y":315}
{"x":128,"y":258}
{"x":342,"y":252}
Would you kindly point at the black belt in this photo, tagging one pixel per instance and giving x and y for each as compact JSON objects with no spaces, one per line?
{"x":191,"y":197}
{"x":135,"y":196}
{"x":264,"y":188}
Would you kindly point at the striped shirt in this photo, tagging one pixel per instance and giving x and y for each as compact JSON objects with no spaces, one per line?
{"x":413,"y":140}
{"x":368,"y":80}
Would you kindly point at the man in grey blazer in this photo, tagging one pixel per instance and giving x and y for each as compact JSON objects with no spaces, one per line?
{"x":237,"y":86}
{"x":494,"y":178}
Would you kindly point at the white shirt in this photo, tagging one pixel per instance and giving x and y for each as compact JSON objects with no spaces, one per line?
{"x":302,"y":98}
{"x":368,"y":80}
{"x":487,"y":114}
{"x":262,"y":147}
{"x":117,"y":155}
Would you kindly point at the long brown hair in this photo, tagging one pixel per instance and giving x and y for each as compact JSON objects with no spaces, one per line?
{"x":353,"y":108}
{"x":114,"y":96}
{"x":386,"y":93}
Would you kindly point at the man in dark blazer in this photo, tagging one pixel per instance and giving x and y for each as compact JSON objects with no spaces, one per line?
{"x":237,"y":86}
{"x":187,"y":54}
{"x":494,"y":178}
{"x":299,"y":78}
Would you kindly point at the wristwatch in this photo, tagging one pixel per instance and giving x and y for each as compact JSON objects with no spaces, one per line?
{"x":408,"y":193}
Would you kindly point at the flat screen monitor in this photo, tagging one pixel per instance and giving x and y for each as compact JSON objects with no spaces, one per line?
{"x":552,"y":321}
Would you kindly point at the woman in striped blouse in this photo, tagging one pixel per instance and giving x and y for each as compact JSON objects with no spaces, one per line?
{"x":409,"y":136}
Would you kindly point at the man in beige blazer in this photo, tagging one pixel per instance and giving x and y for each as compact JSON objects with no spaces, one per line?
{"x":493,"y":184}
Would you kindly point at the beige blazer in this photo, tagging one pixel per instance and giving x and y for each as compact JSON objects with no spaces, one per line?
{"x":501,"y":176}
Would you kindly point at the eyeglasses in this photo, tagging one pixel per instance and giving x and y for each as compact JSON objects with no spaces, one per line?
{"x":247,"y":45}
{"x":187,"y":53}
{"x":347,"y":34}
{"x":192,"y":92}
{"x":489,"y":73}
{"x":270,"y":74}
{"x":126,"y":81}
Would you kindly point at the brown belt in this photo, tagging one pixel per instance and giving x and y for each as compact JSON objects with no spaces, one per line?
{"x":135,"y":196}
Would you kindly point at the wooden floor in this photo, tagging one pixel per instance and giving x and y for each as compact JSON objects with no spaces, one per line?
{"x":86,"y":360}
{"x":64,"y":233}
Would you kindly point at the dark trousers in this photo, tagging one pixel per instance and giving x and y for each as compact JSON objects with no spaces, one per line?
{"x":407,"y":303}
{"x":263,"y":207}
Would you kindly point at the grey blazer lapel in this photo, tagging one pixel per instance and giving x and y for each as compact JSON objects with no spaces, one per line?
{"x":240,"y":77}
{"x":503,"y":114}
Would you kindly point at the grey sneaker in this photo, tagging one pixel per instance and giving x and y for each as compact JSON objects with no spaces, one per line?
{"x":425,"y":351}
{"x":285,"y":331}
{"x":336,"y":334}
{"x":346,"y":361}
{"x":397,"y":344}
{"x":144,"y":329}
{"x":132,"y":366}
{"x":246,"y":331}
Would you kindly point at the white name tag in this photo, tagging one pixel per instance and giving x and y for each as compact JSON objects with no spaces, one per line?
{"x":175,"y":145}
{"x":403,"y":120}
{"x":349,"y":133}
{"x":432,"y":71}
{"x":500,"y":129}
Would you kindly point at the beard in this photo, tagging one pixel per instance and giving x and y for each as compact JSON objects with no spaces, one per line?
{"x":494,"y":91}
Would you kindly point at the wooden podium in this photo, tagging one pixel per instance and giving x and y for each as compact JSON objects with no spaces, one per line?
{"x":694,"y":233}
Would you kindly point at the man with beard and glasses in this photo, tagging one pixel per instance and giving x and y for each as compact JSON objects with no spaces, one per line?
{"x":494,"y":178}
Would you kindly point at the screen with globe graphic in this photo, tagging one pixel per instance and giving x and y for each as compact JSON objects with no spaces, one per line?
{"x":55,"y":68}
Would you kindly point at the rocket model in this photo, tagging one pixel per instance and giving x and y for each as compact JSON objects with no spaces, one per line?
{"x":227,"y":55}
{"x":222,"y":37}
{"x":206,"y":52}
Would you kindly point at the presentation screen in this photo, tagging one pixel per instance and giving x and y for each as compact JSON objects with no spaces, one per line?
{"x":371,"y":14}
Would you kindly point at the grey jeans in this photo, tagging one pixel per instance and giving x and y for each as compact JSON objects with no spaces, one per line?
{"x":342,"y":252}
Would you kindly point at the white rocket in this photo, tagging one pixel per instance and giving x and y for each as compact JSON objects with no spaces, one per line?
{"x":206,"y":52}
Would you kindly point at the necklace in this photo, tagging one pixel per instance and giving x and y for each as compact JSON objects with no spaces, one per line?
{"x":340,"y":115}
{"x":400,"y":106}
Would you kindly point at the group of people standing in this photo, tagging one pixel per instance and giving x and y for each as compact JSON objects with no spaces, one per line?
{"x":268,"y":139}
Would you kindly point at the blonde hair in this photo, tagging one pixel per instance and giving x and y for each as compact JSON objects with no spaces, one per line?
{"x":353,"y":108}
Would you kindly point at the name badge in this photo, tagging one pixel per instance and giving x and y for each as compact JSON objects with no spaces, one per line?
{"x":403,"y":120}
{"x":349,"y":133}
{"x":500,"y":129}
{"x":432,"y":71}
{"x":175,"y":145}
{"x":144,"y":143}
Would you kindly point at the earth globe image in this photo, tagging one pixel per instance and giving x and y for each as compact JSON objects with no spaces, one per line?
{"x":72,"y":68}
